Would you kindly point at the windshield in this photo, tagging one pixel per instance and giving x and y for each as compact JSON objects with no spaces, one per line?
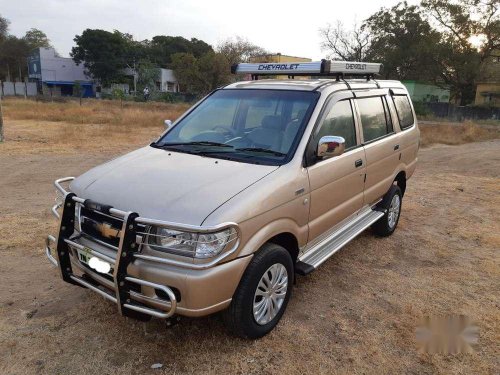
{"x":256,"y":126}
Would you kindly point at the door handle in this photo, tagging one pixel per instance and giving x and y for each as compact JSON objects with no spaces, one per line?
{"x":396,"y":147}
{"x":358,"y":163}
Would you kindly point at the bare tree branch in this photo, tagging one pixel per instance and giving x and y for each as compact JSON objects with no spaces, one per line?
{"x":348,"y":45}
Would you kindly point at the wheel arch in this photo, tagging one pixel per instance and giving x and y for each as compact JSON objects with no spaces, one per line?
{"x":289,"y":242}
{"x":400,"y":180}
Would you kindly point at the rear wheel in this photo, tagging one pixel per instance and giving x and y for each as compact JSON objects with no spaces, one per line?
{"x":263,"y":293}
{"x":387,"y":224}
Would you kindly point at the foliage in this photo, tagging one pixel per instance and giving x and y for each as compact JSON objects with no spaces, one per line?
{"x":147,"y":75}
{"x":404,"y":42}
{"x":430,"y":42}
{"x":14,"y":51}
{"x":102,"y":53}
{"x":118,"y":94}
{"x":461,"y":20}
{"x":36,"y":38}
{"x":13,"y":55}
{"x":4,"y":28}
{"x":161,"y":48}
{"x":459,"y":60}
{"x":421,"y":110}
{"x":239,"y":50}
{"x":77,"y":89}
{"x":200,"y":76}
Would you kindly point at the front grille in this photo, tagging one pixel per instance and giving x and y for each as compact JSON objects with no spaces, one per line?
{"x":102,"y":227}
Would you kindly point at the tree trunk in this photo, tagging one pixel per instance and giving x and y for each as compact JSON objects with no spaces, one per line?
{"x":1,"y":117}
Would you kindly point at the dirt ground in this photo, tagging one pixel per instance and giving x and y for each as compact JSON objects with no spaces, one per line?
{"x":356,"y":315}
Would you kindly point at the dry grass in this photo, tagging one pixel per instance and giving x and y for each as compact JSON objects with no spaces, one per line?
{"x":110,"y":112}
{"x":356,"y":315}
{"x":102,"y":126}
{"x":456,"y":133}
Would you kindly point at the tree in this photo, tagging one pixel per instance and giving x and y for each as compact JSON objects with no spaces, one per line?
{"x":347,"y":45}
{"x":13,"y":55}
{"x":239,"y":50}
{"x":1,"y":120}
{"x":462,"y":62}
{"x":36,"y":38}
{"x":4,"y":28}
{"x":404,"y":41}
{"x":200,"y":76}
{"x":460,"y":20}
{"x":148,"y":75}
{"x":104,"y":54}
{"x":161,"y":48}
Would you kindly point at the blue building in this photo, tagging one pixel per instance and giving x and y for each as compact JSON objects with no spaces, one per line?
{"x":57,"y":76}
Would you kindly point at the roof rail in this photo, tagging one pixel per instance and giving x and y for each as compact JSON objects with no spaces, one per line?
{"x":323,"y":68}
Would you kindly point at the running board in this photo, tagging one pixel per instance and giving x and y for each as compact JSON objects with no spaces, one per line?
{"x":319,"y":253}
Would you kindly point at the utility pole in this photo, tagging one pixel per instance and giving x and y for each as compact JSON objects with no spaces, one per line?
{"x":1,"y":115}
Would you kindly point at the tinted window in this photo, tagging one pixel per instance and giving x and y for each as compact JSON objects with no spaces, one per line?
{"x":340,"y":122}
{"x":373,"y":118}
{"x":403,"y":109}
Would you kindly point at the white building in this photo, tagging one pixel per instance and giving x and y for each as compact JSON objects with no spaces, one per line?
{"x":57,"y":75}
{"x":168,"y":82}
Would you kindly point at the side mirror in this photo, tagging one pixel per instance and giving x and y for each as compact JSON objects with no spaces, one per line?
{"x":330,"y":146}
{"x":168,"y":123}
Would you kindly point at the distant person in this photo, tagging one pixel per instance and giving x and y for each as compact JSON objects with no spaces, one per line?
{"x":146,"y":93}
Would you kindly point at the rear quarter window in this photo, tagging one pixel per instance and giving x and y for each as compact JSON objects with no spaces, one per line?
{"x":403,"y":109}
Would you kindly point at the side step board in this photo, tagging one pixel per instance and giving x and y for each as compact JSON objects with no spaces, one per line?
{"x":320,"y":252}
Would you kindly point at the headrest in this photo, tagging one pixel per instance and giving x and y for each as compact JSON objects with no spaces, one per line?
{"x":272,"y":122}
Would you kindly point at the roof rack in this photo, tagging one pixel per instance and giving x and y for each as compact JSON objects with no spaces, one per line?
{"x":323,"y":68}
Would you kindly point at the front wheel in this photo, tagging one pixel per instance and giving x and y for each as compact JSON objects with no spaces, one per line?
{"x":386,"y":225}
{"x":263,"y":293}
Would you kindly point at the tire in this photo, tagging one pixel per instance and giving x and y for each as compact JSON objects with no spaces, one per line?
{"x":239,"y":317}
{"x":391,"y":202}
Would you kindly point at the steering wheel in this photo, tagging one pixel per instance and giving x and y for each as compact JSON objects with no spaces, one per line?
{"x":226,"y":130}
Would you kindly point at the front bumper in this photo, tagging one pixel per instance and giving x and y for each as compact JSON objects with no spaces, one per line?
{"x":143,"y":285}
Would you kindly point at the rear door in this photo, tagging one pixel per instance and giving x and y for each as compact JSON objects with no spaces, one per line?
{"x":380,"y":141}
{"x":336,"y":183}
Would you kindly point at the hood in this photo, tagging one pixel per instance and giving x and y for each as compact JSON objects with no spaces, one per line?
{"x":167,"y":185}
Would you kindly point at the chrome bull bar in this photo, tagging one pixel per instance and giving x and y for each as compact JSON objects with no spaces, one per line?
{"x":122,"y":294}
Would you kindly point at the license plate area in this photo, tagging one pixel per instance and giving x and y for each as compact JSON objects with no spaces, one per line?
{"x":85,"y":255}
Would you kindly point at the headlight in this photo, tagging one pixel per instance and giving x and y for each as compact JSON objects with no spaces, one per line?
{"x":194,"y":245}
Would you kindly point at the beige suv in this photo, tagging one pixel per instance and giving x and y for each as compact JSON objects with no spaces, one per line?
{"x":258,"y":182}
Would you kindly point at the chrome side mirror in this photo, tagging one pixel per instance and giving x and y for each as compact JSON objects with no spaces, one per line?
{"x":168,"y":123}
{"x":330,"y":146}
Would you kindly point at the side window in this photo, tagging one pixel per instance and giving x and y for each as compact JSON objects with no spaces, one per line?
{"x":373,"y":118}
{"x":403,"y":109}
{"x":340,"y":122}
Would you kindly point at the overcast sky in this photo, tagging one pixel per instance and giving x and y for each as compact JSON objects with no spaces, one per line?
{"x":286,"y":26}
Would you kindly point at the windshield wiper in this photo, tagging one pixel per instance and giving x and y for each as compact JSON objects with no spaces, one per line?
{"x":262,"y":150}
{"x":196,"y":143}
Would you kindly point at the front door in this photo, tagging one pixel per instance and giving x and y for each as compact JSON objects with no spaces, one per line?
{"x":336,"y":183}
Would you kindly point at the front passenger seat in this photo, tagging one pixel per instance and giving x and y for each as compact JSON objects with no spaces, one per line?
{"x":269,"y":134}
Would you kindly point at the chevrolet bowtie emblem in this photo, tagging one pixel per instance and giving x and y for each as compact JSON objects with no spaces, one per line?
{"x":107,"y":230}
